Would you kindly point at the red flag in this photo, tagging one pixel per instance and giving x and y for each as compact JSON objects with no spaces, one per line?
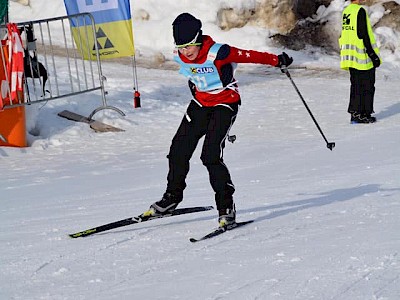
{"x":12,"y":77}
{"x":16,"y":61}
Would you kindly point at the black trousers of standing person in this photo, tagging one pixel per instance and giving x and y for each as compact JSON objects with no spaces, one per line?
{"x":213,"y":123}
{"x":362,"y":91}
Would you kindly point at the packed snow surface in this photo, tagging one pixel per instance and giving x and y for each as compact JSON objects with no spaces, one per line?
{"x":326,"y":222}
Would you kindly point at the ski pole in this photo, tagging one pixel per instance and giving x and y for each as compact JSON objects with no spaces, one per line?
{"x":330,"y":145}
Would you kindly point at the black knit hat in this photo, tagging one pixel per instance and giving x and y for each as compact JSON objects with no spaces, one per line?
{"x":187,"y":30}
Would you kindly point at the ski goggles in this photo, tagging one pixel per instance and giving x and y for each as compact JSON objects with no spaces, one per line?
{"x":191,"y":43}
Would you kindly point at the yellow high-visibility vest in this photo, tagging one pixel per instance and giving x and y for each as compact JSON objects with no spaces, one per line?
{"x":352,"y":50}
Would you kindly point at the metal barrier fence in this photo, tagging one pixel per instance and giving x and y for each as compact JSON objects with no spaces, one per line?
{"x":54,"y":61}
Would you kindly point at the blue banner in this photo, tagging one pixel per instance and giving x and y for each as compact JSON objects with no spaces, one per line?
{"x":103,"y":11}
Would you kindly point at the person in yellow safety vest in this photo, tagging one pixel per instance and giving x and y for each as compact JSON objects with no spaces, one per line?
{"x":360,"y":55}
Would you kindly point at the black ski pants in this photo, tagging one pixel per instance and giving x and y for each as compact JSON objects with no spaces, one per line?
{"x":213,"y":123}
{"x":362,"y":91}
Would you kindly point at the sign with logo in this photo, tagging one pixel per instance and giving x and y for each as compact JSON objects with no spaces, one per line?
{"x":114,"y":37}
{"x":346,"y":22}
{"x":203,"y":70}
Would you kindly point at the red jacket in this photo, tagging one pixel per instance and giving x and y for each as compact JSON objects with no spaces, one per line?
{"x":227,"y":55}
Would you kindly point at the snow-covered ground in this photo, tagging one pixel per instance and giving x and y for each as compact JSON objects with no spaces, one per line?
{"x":153,"y":31}
{"x":326,"y":222}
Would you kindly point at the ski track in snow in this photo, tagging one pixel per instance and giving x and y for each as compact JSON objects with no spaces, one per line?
{"x":307,"y":241}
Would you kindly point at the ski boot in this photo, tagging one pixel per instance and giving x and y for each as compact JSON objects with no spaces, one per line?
{"x":166,"y":205}
{"x":227,"y":217}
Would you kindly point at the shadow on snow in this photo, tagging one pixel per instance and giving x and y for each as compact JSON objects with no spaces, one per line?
{"x":338,"y":195}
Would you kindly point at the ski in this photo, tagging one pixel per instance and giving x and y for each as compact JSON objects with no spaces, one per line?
{"x":138,"y":219}
{"x":221,"y":230}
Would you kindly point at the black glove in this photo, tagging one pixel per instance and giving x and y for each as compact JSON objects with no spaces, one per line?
{"x":284,"y":60}
{"x":375,"y":59}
